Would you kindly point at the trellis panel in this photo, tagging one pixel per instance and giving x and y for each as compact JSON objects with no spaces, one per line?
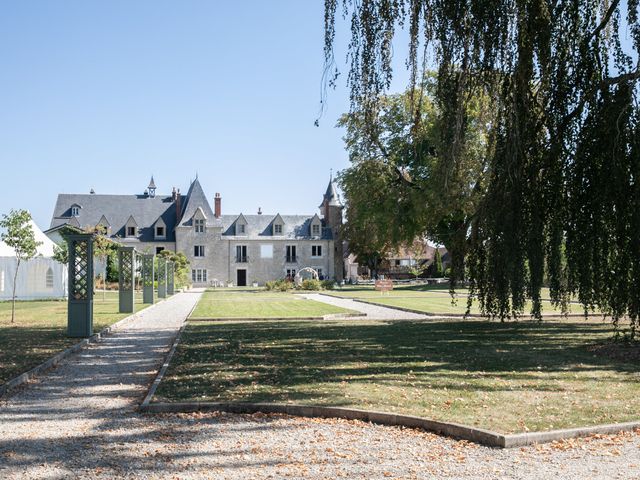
{"x":80,"y":299}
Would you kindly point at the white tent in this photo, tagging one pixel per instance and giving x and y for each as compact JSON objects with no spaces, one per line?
{"x":40,"y":277}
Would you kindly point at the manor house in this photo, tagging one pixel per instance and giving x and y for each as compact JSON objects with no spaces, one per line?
{"x":229,"y":249}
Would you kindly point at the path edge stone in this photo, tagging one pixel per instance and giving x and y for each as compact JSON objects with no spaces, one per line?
{"x":446,"y":315}
{"x":454,"y":430}
{"x":52,"y":362}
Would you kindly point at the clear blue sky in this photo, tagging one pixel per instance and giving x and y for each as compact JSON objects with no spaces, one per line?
{"x":102,"y":94}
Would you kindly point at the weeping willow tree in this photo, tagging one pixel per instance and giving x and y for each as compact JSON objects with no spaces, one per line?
{"x":562,"y":199}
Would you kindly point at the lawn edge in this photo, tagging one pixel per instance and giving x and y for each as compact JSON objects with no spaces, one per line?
{"x":454,"y":430}
{"x":165,"y":363}
{"x":328,"y":316}
{"x":52,"y":362}
{"x":163,"y":369}
{"x":454,"y":315}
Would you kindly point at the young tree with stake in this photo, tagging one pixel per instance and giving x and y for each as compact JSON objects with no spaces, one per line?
{"x":18,"y":235}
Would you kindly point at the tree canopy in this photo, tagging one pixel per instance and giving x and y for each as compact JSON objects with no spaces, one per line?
{"x":562,"y":196}
{"x":397,"y":187}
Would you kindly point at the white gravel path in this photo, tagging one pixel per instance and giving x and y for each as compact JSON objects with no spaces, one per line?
{"x":372,"y":311}
{"x":80,"y":422}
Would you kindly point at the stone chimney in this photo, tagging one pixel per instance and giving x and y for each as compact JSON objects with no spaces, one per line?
{"x":177,"y":198}
{"x":218,"y":205}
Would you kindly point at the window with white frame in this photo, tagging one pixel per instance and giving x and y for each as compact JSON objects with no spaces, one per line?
{"x":277,"y":229}
{"x":131,"y":231}
{"x":198,"y":224}
{"x":75,"y":211}
{"x":160,"y":231}
{"x":241,"y":228}
{"x":315,"y":230}
{"x":199,"y":275}
{"x":198,"y":250}
{"x":291,"y":255}
{"x":48,"y":282}
{"x":316,"y":250}
{"x":241,"y":254}
{"x":291,"y":273}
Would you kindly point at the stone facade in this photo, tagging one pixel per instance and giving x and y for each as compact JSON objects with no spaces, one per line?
{"x":222,"y":249}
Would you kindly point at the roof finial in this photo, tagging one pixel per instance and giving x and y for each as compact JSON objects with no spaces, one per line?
{"x":152,"y":187}
{"x":331,"y":174}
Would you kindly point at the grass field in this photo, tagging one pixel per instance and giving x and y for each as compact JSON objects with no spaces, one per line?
{"x":510,"y":377}
{"x":259,"y":304}
{"x":431,"y":299}
{"x":40,"y":330}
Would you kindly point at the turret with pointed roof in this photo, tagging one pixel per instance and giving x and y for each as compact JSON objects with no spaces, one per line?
{"x":152,"y":188}
{"x":196,"y":198}
{"x":331,"y":209}
{"x":331,"y":197}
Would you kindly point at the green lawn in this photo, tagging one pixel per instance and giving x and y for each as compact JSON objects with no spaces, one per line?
{"x":40,"y":330}
{"x":259,"y":304}
{"x":431,"y":299}
{"x":510,"y":377}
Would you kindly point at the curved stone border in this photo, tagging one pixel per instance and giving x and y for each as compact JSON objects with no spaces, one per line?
{"x":57,"y":358}
{"x":454,"y":430}
{"x":451,"y":315}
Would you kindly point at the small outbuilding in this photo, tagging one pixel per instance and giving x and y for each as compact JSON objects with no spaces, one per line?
{"x":40,"y":277}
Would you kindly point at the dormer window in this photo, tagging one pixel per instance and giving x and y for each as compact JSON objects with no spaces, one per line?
{"x":277,"y":229}
{"x":198,"y":224}
{"x":131,"y":231}
{"x":159,"y":231}
{"x":75,"y":211}
{"x":240,"y":225}
{"x":315,"y":230}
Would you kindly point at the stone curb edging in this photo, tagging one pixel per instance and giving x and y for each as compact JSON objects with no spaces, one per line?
{"x":162,"y":371}
{"x":454,"y":430}
{"x":329,"y":316}
{"x":57,"y":358}
{"x":448,"y":315}
{"x":165,"y":364}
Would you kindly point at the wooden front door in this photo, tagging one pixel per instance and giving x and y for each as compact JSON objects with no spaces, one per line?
{"x":242,"y":278}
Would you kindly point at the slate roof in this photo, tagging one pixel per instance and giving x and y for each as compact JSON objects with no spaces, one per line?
{"x":259,"y":227}
{"x":197,"y":198}
{"x":117,"y":209}
{"x":146,"y":210}
{"x":331,"y":195}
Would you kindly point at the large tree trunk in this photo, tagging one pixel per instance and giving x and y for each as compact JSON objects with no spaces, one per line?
{"x":13,"y":296}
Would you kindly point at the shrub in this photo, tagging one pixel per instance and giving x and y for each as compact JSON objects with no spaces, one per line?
{"x":311,"y":284}
{"x":282,"y":285}
{"x":328,"y":284}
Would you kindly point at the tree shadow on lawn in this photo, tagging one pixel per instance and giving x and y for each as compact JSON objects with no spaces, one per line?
{"x":269,"y":361}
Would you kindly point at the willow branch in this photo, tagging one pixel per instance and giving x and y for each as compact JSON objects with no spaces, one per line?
{"x":605,"y":20}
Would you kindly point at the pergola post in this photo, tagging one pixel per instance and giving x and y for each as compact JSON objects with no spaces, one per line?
{"x":148,"y":275}
{"x":162,"y":278}
{"x":80,"y":299}
{"x":170,"y":278}
{"x":126,"y":277}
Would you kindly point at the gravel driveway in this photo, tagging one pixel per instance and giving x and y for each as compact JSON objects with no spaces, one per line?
{"x":79,"y":421}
